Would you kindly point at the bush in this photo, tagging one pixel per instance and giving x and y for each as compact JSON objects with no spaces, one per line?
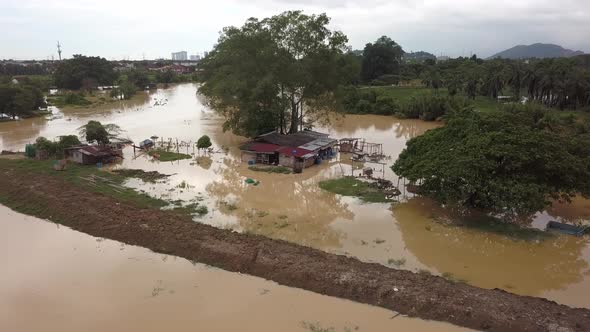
{"x":204,"y":142}
{"x":431,"y":107}
{"x":56,"y":149}
{"x":386,"y":105}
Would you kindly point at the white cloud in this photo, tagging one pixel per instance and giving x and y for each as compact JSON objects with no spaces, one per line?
{"x":130,"y":28}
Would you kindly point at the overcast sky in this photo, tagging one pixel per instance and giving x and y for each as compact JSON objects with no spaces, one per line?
{"x":134,"y":29}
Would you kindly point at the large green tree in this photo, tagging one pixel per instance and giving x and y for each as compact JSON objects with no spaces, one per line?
{"x":513,"y":161}
{"x":20,"y":100}
{"x":268,"y":74}
{"x":94,"y":131}
{"x":84,"y":72}
{"x":383,"y":57}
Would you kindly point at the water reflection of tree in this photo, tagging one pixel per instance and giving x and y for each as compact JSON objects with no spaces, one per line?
{"x":412,"y":128}
{"x":351,"y":125}
{"x":489,"y":260}
{"x":298,"y":210}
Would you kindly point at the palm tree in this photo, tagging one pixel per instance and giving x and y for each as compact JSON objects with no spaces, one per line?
{"x":515,"y":79}
{"x":432,"y":80}
{"x":471,"y":87}
{"x":494,"y":84}
{"x":530,"y":80}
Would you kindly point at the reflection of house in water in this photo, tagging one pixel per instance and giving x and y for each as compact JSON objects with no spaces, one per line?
{"x":93,"y":154}
{"x":297,"y":151}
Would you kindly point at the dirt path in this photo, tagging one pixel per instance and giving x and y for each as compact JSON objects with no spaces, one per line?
{"x":423,"y":296}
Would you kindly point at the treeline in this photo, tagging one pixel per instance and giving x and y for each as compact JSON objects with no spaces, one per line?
{"x":15,"y":69}
{"x":559,"y":82}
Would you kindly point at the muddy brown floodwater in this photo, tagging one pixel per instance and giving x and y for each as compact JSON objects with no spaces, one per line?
{"x":63,"y":280}
{"x":292,"y":207}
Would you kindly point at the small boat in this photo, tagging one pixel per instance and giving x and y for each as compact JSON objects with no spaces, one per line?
{"x":567,"y":228}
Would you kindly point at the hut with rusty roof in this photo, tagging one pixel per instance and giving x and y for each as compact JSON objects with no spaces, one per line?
{"x":85,"y":154}
{"x":297,"y":151}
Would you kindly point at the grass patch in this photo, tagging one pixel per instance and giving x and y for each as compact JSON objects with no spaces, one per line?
{"x":69,"y":99}
{"x":350,"y":186}
{"x":163,"y":155}
{"x":192,"y":209}
{"x":451,"y":277}
{"x":397,"y":262}
{"x":424,"y":272}
{"x":271,"y":169}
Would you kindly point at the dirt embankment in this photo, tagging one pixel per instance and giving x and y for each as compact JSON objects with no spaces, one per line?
{"x":423,"y":296}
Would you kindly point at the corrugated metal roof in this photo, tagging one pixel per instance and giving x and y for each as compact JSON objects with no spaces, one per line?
{"x":318,"y":143}
{"x":296,"y":152}
{"x":260,"y":147}
{"x":297,"y":139}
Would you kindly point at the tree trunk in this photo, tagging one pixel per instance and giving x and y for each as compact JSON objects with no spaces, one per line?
{"x":294,"y":116}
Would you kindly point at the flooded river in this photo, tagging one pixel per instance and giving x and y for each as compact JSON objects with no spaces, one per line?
{"x":63,"y":280}
{"x":292,"y":207}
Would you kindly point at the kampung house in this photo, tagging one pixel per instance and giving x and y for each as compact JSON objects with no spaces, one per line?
{"x":93,"y":154}
{"x":297,"y":151}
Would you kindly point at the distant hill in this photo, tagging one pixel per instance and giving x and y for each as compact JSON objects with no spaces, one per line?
{"x":536,"y":51}
{"x":419,"y":56}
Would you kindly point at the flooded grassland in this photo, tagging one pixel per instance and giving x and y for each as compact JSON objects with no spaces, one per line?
{"x":293,"y":207}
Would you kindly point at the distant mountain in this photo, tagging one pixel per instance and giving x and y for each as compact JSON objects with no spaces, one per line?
{"x":536,"y":51}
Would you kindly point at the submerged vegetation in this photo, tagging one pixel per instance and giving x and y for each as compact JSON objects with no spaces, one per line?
{"x":350,"y":186}
{"x":163,"y":155}
{"x":271,"y":169}
{"x":152,"y":176}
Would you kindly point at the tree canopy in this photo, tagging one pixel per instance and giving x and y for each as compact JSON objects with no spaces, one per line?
{"x":94,"y":131}
{"x":84,"y":72}
{"x":20,"y":100}
{"x":261,"y":76}
{"x":380,"y":59}
{"x":513,"y":161}
{"x":204,"y":142}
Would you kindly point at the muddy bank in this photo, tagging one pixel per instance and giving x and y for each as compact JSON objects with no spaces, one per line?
{"x":412,"y":294}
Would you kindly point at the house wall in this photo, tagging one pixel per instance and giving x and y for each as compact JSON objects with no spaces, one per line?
{"x":76,"y":157}
{"x":308,"y":162}
{"x":247,"y":156}
{"x":286,"y":161}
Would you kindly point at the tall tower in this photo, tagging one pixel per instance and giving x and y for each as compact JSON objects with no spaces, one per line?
{"x":59,"y":50}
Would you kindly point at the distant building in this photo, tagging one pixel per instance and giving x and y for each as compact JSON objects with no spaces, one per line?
{"x":180,"y":56}
{"x":195,"y":57}
{"x":442,"y":58}
{"x":205,"y":54}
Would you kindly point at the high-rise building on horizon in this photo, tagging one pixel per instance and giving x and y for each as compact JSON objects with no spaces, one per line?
{"x":195,"y":57}
{"x":179,"y":56}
